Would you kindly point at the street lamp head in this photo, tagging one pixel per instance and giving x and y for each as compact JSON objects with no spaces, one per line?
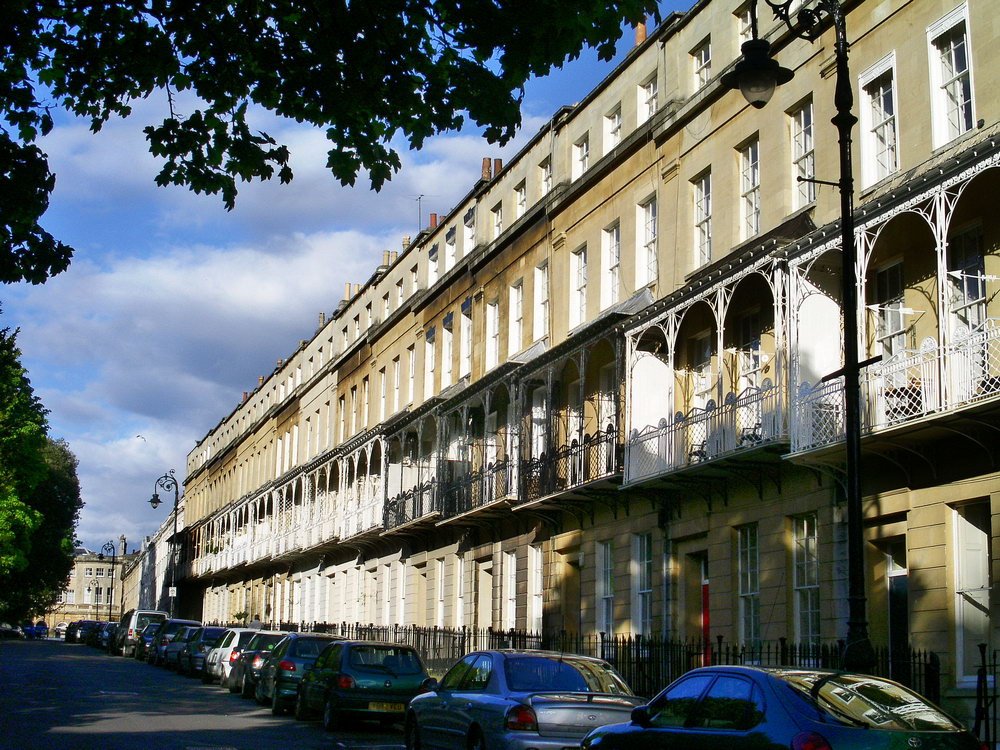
{"x":155,"y":501}
{"x":757,"y":74}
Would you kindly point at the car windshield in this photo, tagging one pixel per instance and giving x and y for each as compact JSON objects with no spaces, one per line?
{"x":392,"y":659}
{"x":264,"y":641}
{"x":869,"y":701}
{"x":532,"y":674}
{"x":212,"y":634}
{"x":309,"y":647}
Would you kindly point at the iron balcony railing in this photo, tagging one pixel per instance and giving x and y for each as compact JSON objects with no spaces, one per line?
{"x":743,"y":421}
{"x":476,"y":489}
{"x":902,"y":389}
{"x":410,"y":505}
{"x":597,"y":457}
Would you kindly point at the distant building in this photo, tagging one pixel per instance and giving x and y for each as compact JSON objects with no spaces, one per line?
{"x":94,"y":591}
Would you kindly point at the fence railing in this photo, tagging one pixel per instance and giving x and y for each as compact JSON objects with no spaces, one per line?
{"x":647,"y":664}
{"x":410,"y":505}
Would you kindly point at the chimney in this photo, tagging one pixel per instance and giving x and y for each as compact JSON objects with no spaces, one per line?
{"x":347,"y":290}
{"x":123,"y":547}
{"x":322,"y":319}
{"x":280,"y":363}
{"x":394,"y":254}
{"x":260,"y":380}
{"x":640,"y":33}
{"x":355,"y":289}
{"x":434,"y":220}
{"x":246,"y":395}
{"x":497,"y":167}
{"x":385,"y":258}
{"x":486,"y":168}
{"x":406,"y":241}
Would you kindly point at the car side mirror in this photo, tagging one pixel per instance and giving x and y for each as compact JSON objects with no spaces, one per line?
{"x":429,"y":685}
{"x":640,"y":716}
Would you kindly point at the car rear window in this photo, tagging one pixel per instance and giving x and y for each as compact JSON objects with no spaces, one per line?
{"x":867,"y":701}
{"x":245,"y":637}
{"x":141,"y":621}
{"x":264,"y":641}
{"x":212,"y":634}
{"x":391,"y":659}
{"x":547,"y":674}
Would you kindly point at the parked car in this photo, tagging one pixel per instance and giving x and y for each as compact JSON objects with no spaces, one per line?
{"x":158,"y":647}
{"x":740,"y":707}
{"x":131,"y":625}
{"x":246,"y":668}
{"x":284,"y":667}
{"x":518,"y":699}
{"x":10,"y":631}
{"x":87,"y":631}
{"x":219,"y":661}
{"x":106,"y":636}
{"x":145,"y":638}
{"x":191,"y":659}
{"x":71,"y":631}
{"x":360,"y":680}
{"x":60,"y":629}
{"x":172,"y":651}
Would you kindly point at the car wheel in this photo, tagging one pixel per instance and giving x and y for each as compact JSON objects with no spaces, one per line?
{"x":206,"y":678}
{"x":233,"y":685}
{"x":412,"y":734}
{"x":476,"y":741}
{"x":301,"y":712}
{"x":330,"y":720}
{"x":247,"y":688}
{"x":259,"y":695}
{"x":277,"y":707}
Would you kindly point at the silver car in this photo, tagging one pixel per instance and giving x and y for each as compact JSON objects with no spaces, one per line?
{"x":517,"y":700}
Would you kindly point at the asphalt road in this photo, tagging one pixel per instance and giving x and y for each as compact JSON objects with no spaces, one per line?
{"x":67,"y":696}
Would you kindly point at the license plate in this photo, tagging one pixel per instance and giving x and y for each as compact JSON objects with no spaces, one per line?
{"x":387,"y":708}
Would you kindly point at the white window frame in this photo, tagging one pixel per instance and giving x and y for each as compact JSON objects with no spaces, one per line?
{"x":520,"y":200}
{"x":510,"y":590}
{"x":646,"y":261}
{"x":950,"y":118}
{"x":396,"y":368}
{"x":750,"y":188}
{"x":703,"y":218}
{"x":383,"y":389}
{"x":540,"y":317}
{"x":605,"y":587}
{"x":545,"y":175}
{"x":613,"y":128}
{"x":803,"y":153}
{"x":447,"y":355}
{"x":536,"y":582}
{"x":428,"y":369}
{"x":460,"y":591}
{"x":469,"y":235}
{"x":744,"y":29}
{"x":492,"y":334}
{"x":433,"y":261}
{"x":411,"y":381}
{"x":465,"y":343}
{"x":701,"y":61}
{"x":748,"y":576}
{"x":439,"y":593}
{"x":515,"y":317}
{"x":880,"y":146}
{"x":578,"y":286}
{"x":611,"y":248}
{"x":648,"y":98}
{"x":642,"y":583}
{"x":496,"y":213}
{"x":581,"y":155}
{"x":805,"y":578}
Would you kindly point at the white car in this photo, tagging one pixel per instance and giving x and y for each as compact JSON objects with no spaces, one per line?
{"x":60,"y":629}
{"x":219,"y":661}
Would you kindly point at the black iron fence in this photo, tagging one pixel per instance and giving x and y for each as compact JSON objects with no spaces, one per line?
{"x":985,"y":722}
{"x":649,"y":664}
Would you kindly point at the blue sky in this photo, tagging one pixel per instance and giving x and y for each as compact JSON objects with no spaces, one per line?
{"x":172,"y":306}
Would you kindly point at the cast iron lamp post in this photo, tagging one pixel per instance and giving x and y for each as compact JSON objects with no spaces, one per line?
{"x":109,"y":549}
{"x":168,"y":483}
{"x":756,"y":75}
